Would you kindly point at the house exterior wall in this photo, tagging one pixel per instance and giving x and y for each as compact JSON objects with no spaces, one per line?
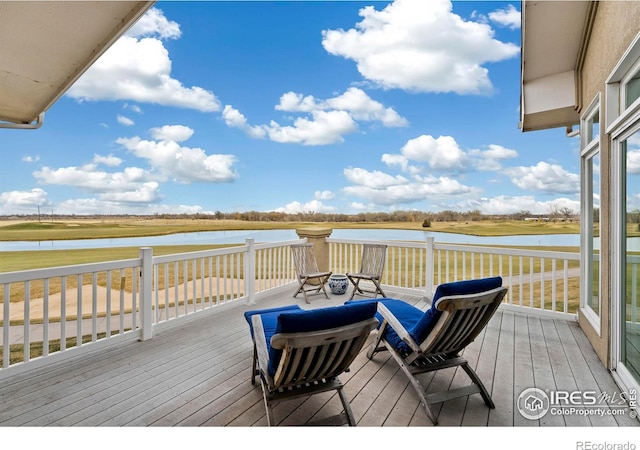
{"x":615,"y":26}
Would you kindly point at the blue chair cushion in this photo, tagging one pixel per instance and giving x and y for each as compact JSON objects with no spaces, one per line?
{"x":297,"y":320}
{"x":424,"y":326}
{"x":269,"y":318}
{"x":407,"y":314}
{"x":419,"y":323}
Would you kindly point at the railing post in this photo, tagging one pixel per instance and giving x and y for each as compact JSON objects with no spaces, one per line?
{"x":430,"y":267}
{"x":250,"y":271}
{"x":146,"y":290}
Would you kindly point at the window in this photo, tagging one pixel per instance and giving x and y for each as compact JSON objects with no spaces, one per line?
{"x":590,"y":220}
{"x":632,"y":90}
{"x":623,"y":125}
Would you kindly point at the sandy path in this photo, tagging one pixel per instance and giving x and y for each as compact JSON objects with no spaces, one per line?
{"x":223,"y":286}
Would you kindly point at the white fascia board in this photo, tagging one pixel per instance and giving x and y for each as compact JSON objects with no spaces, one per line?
{"x":549,"y":102}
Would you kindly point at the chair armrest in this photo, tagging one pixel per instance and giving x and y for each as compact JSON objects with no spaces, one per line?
{"x":394,"y":323}
{"x":260,"y":342}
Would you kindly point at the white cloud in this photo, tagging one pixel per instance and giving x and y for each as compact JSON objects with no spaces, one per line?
{"x":177,"y":133}
{"x":182,"y":164}
{"x":103,"y":206}
{"x":633,"y":161}
{"x":90,"y":179}
{"x":296,"y":207}
{"x":421,"y":46}
{"x":13,"y":202}
{"x":325,"y":127}
{"x":354,"y":101}
{"x":491,"y":159}
{"x":421,"y":188}
{"x":155,"y":23}
{"x":134,"y":108}
{"x":324,"y":195}
{"x":442,"y":153}
{"x":145,"y":193}
{"x":358,"y":206}
{"x":513,"y":204}
{"x":137,"y":67}
{"x":136,"y":186}
{"x":110,"y":160}
{"x":545,"y":177}
{"x":373,"y":180}
{"x":125,"y":120}
{"x":31,"y":159}
{"x":326,"y":121}
{"x":508,"y":17}
{"x":235,"y":119}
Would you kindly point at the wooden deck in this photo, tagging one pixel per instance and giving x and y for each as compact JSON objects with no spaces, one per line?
{"x":198,"y":374}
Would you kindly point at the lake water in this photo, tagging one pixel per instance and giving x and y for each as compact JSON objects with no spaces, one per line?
{"x":237,"y":237}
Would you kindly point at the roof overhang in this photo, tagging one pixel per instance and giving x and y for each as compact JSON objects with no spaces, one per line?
{"x":47,"y":45}
{"x":554,"y":35}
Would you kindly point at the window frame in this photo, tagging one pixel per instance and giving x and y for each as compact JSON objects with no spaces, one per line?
{"x":589,"y":149}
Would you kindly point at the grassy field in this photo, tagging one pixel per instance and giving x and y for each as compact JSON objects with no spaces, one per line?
{"x":93,"y":229}
{"x":137,"y":227}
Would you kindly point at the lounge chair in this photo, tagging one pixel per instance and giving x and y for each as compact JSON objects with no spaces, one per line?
{"x":371,"y":267}
{"x":302,"y":352}
{"x":426,"y":341}
{"x":311,"y":280}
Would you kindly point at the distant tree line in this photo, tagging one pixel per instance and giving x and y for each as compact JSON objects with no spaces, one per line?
{"x":311,"y":216}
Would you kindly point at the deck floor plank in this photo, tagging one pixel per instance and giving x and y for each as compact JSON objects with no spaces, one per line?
{"x":197,"y":373}
{"x":501,"y":391}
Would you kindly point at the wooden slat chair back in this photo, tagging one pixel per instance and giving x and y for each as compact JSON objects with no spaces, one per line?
{"x":311,"y":279}
{"x":371,"y":268}
{"x":426,"y":341}
{"x":309,"y":359}
{"x":463,"y":319}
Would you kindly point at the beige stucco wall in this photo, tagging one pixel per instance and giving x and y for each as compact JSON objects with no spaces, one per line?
{"x":615,"y":26}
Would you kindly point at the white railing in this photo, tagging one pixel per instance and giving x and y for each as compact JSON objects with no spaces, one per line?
{"x":47,"y":312}
{"x":408,"y":265}
{"x":543,"y":281}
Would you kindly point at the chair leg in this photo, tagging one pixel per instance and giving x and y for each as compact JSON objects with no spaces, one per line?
{"x":421,"y":395}
{"x":347,"y":407}
{"x":301,"y":283}
{"x":316,"y":290}
{"x":267,"y":406}
{"x":375,"y":345}
{"x":476,"y":380}
{"x":322,"y":283}
{"x":254,"y":371}
{"x":417,"y":386}
{"x":355,"y":288}
{"x":378,"y":288}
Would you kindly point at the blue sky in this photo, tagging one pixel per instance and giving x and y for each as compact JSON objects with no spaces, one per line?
{"x":341,"y":107}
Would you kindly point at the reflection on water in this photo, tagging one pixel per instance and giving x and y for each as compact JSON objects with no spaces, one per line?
{"x":239,"y":237}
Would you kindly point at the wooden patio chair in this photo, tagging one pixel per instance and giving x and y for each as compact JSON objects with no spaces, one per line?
{"x":311,"y":280}
{"x":423,"y":342}
{"x":302,"y":352}
{"x":371,"y":267}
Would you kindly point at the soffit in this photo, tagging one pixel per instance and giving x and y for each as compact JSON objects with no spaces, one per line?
{"x":47,"y":45}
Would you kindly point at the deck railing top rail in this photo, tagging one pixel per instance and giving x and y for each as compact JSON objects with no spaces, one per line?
{"x":108,"y":300}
